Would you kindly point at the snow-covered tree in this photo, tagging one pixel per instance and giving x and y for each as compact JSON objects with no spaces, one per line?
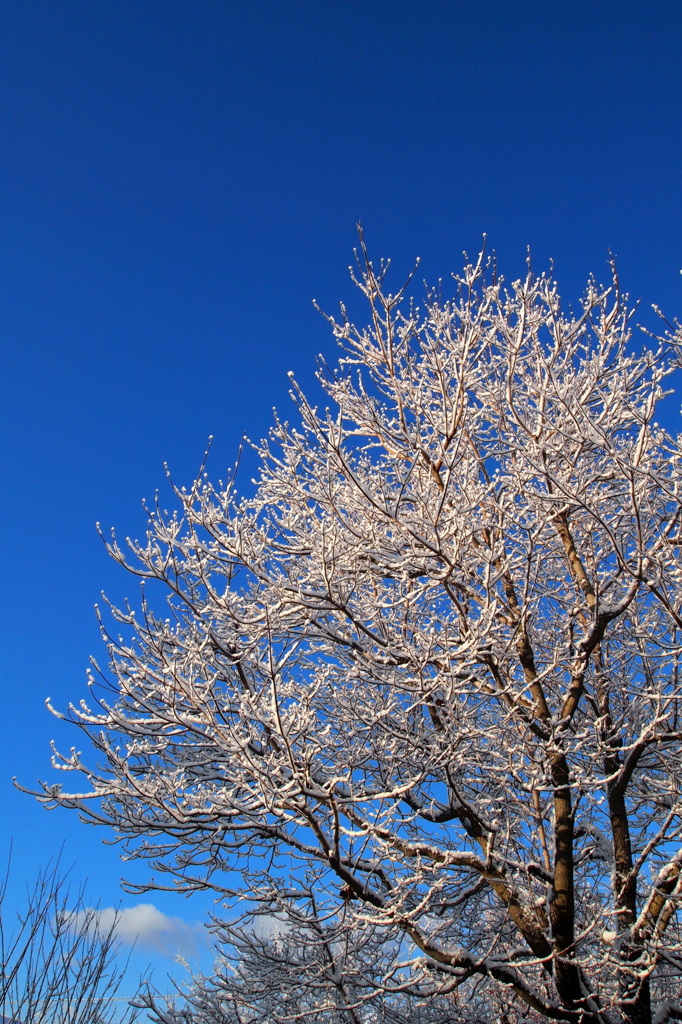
{"x":313,"y":966}
{"x":421,"y":687}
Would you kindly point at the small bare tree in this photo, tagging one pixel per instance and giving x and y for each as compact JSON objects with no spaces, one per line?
{"x":422,"y":688}
{"x":58,"y":966}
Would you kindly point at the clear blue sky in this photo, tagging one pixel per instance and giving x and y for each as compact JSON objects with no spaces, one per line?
{"x":180,"y":178}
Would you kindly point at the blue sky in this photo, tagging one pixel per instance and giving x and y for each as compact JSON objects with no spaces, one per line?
{"x":178,"y":180}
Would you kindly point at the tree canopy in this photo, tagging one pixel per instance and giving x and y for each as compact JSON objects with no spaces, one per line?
{"x":420,"y":687}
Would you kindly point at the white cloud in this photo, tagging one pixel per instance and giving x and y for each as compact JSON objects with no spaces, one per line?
{"x":269,"y":926}
{"x":145,"y":925}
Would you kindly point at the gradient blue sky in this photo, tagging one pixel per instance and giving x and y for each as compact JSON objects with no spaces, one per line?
{"x":180,"y":178}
